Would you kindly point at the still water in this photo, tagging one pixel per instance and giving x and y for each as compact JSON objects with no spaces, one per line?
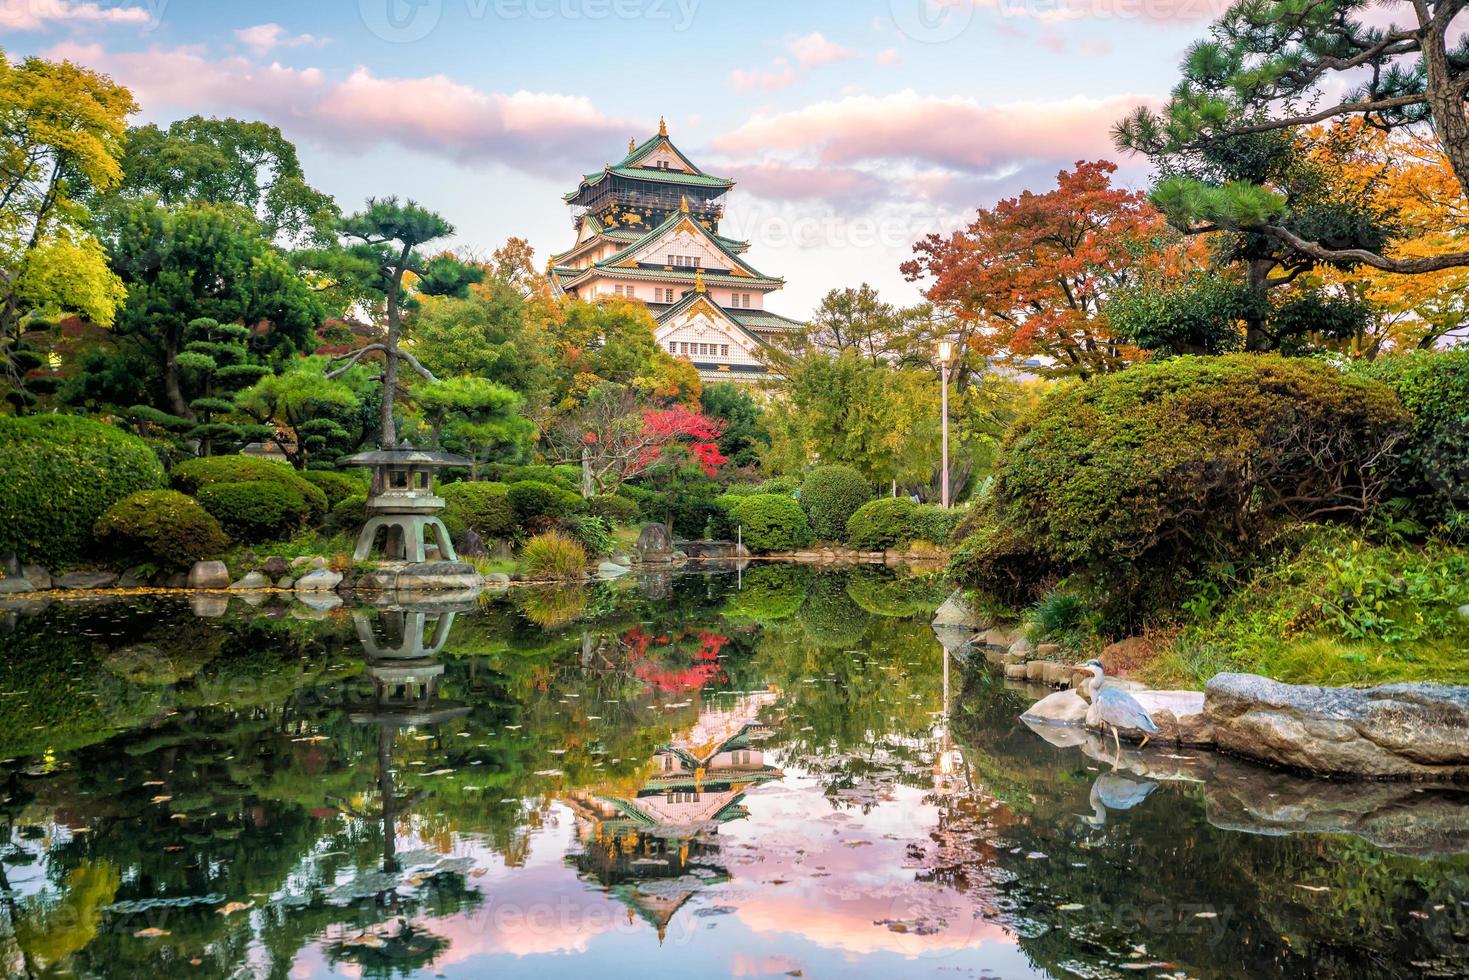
{"x":780,"y":772}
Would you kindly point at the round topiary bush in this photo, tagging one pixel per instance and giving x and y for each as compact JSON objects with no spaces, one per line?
{"x":193,"y":475}
{"x":611,"y":507}
{"x":772,"y":522}
{"x":784,"y":485}
{"x":256,"y":510}
{"x":882,"y":523}
{"x":163,"y":528}
{"x":58,"y":474}
{"x":533,"y":500}
{"x":934,"y":524}
{"x":831,"y":495}
{"x":483,"y":508}
{"x":337,"y":486}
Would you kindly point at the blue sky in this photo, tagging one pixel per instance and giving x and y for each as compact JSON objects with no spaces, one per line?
{"x":852,"y":126}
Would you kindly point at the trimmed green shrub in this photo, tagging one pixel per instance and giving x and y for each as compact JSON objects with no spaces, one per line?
{"x":349,"y":515}
{"x":163,"y":528}
{"x":784,"y":485}
{"x":483,"y":508}
{"x":193,"y":475}
{"x":256,"y":510}
{"x":553,"y":555}
{"x":592,"y":533}
{"x":830,"y":495}
{"x":337,"y":486}
{"x":772,"y":522}
{"x":567,"y":478}
{"x":1433,"y":470}
{"x":58,"y":474}
{"x":1144,"y":477}
{"x":614,"y":508}
{"x":722,"y":521}
{"x":882,"y":523}
{"x":934,"y":524}
{"x":565,"y":474}
{"x":742,"y":490}
{"x":533,"y":499}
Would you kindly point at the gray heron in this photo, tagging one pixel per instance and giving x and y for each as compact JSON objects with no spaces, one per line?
{"x":1115,"y":707}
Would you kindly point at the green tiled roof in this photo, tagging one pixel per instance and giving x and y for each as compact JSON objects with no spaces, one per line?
{"x":678,"y":275}
{"x":764,"y":320}
{"x":669,"y":222}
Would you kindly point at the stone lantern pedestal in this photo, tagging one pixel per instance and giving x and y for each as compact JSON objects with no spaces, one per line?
{"x":402,"y":514}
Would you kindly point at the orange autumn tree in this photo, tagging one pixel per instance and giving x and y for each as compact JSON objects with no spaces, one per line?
{"x":1409,"y":177}
{"x":1032,"y":275}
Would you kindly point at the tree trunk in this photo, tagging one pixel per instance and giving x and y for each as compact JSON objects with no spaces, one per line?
{"x":1256,"y":339}
{"x":390,"y":356}
{"x":1445,"y":99}
{"x":588,"y":486}
{"x":172,"y":338}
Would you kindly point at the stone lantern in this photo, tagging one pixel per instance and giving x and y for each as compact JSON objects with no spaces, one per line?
{"x":403,"y":503}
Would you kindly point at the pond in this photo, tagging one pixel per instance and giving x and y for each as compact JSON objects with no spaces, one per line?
{"x":778,"y":771}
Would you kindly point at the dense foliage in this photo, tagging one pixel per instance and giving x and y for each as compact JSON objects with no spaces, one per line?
{"x":257,"y":510}
{"x":534,"y":500}
{"x":772,"y":522}
{"x":881,"y":523}
{"x":58,"y":474}
{"x":162,"y":528}
{"x":553,"y":554}
{"x":1143,"y":477}
{"x":194,"y":475}
{"x":484,"y":508}
{"x":830,"y":495}
{"x":337,"y":486}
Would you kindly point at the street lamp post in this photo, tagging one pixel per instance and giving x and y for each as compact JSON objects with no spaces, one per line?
{"x":946,"y":351}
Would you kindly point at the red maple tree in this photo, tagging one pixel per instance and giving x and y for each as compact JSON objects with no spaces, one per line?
{"x":1031,"y":275}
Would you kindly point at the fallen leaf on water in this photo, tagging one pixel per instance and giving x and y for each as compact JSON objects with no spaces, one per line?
{"x":150,"y":933}
{"x":160,"y":799}
{"x":1314,"y":888}
{"x":369,"y":940}
{"x":1207,"y":915}
{"x":1071,"y":907}
{"x":234,"y":907}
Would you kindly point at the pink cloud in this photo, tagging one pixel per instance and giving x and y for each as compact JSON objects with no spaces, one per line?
{"x":1152,"y":11}
{"x":813,"y":50}
{"x":432,"y":114}
{"x":264,"y":37}
{"x":772,"y":80}
{"x":953,"y":132}
{"x":889,"y":57}
{"x":32,"y":15}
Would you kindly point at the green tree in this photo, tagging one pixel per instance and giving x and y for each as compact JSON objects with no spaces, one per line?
{"x":61,"y":137}
{"x":380,"y":260}
{"x":475,"y":417}
{"x":745,"y":435}
{"x":311,"y":417}
{"x":483,"y":333}
{"x":228,"y":161}
{"x":859,"y":320}
{"x":1269,"y":69}
{"x":203,"y":261}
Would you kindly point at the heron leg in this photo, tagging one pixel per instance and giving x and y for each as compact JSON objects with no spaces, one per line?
{"x":1116,"y":740}
{"x":1144,"y":743}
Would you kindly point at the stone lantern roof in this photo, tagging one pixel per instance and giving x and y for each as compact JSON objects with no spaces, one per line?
{"x":406,"y":455}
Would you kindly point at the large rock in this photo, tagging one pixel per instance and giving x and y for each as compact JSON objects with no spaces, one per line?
{"x":1179,"y":716}
{"x":1398,"y":731}
{"x":1061,"y":708}
{"x":654,"y":544}
{"x":39,"y":578}
{"x":253,"y":581}
{"x":15,"y":585}
{"x":275,"y":566}
{"x":609,"y":569}
{"x":1019,"y":652}
{"x":958,"y":611}
{"x":319,"y":580}
{"x":999,"y":636}
{"x":209,"y":575}
{"x":86,"y":580}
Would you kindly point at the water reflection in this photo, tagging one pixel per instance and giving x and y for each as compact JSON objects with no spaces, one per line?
{"x":750,"y":773}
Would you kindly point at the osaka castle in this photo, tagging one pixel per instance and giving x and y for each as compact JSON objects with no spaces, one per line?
{"x":647,"y":228}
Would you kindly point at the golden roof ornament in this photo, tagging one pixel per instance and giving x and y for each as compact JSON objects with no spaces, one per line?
{"x":662,"y":126}
{"x":683,"y":203}
{"x":632,"y":143}
{"x":699,"y":288}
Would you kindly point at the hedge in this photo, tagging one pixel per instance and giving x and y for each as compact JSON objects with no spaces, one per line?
{"x":58,"y":474}
{"x":337,"y":486}
{"x":772,"y":522}
{"x":484,"y":508}
{"x":349,"y":516}
{"x":1434,"y":461}
{"x":193,"y":475}
{"x":880,"y":524}
{"x":163,"y":528}
{"x":257,"y":510}
{"x":533,"y":499}
{"x":614,"y":508}
{"x":830,"y":495}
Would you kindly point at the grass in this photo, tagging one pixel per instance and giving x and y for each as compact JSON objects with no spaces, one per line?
{"x":1338,"y":610}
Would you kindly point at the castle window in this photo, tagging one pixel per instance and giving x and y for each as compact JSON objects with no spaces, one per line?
{"x":724,"y":350}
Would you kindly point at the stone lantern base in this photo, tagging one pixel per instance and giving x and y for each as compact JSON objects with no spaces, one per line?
{"x":405,"y":538}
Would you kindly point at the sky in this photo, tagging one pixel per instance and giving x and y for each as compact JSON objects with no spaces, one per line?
{"x":852,"y":127}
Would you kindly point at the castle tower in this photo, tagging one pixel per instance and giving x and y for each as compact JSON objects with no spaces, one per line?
{"x":647,"y":228}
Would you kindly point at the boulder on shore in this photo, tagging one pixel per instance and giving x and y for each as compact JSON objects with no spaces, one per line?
{"x":1061,"y":708}
{"x":251,"y":581}
{"x":86,"y":580}
{"x":1398,"y":731}
{"x":209,"y":575}
{"x":319,"y":580}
